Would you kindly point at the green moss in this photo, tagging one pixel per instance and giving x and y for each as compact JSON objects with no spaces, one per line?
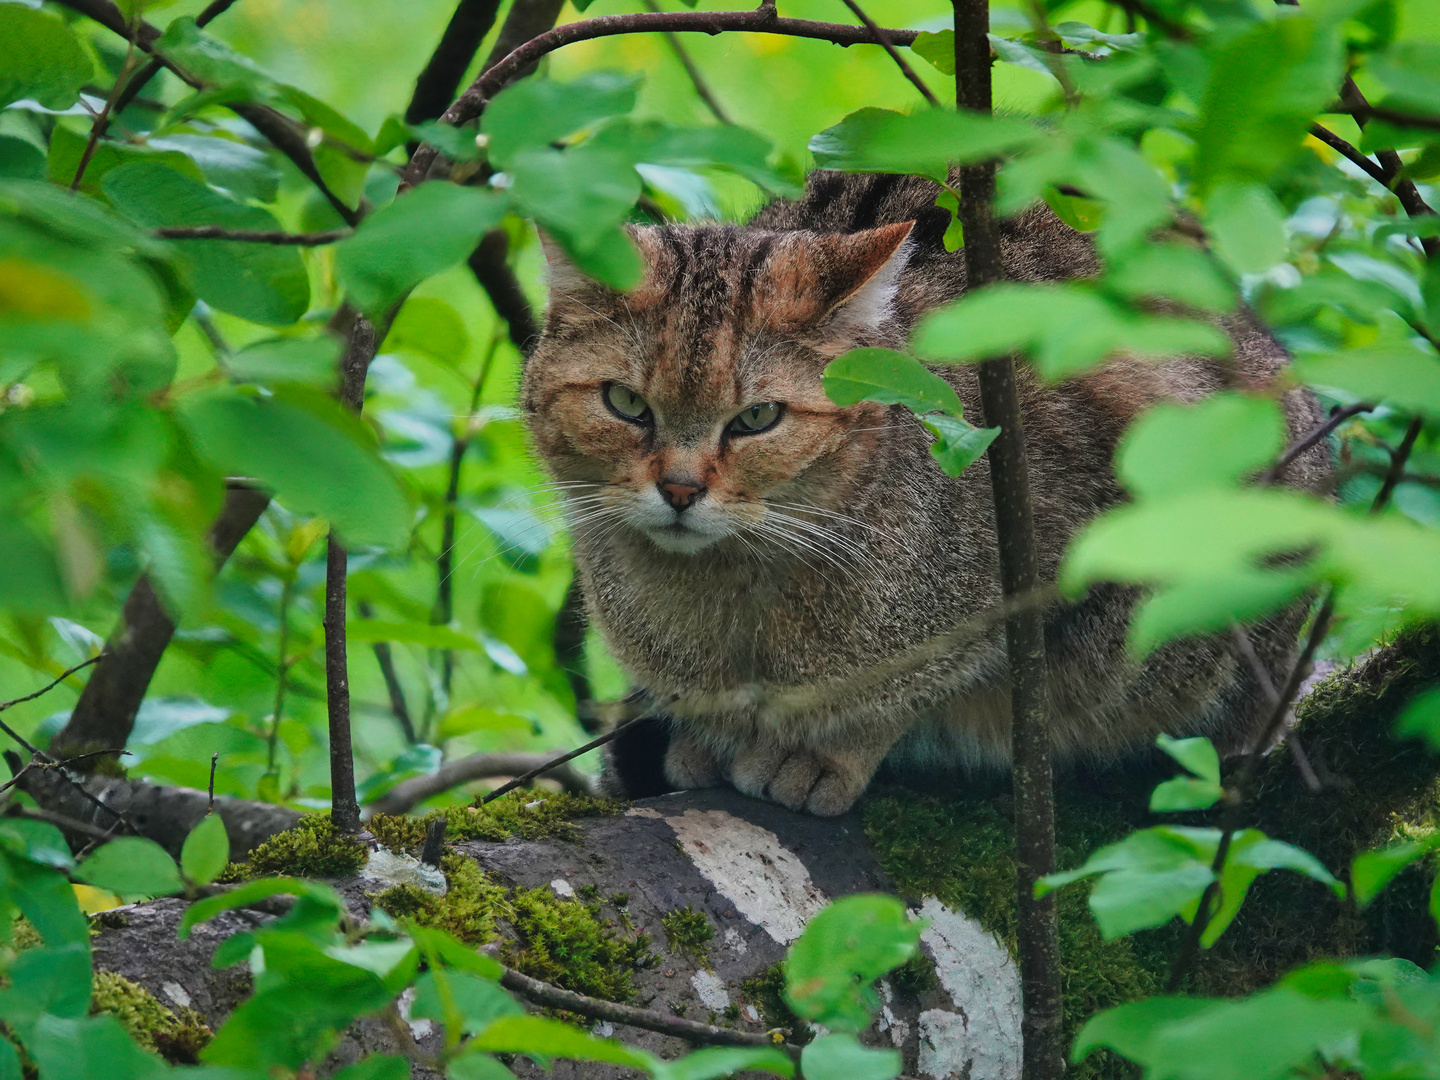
{"x":916,"y":975}
{"x":688,"y":931}
{"x":468,"y":909}
{"x":177,"y":1038}
{"x":311,"y":849}
{"x":766,"y":991}
{"x":528,"y":815}
{"x":567,"y":943}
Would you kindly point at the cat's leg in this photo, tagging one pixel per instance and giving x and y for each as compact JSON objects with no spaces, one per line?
{"x":822,"y":782}
{"x":690,"y":763}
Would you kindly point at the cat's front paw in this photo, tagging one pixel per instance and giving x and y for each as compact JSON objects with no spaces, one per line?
{"x":825,"y":784}
{"x":691,"y":764}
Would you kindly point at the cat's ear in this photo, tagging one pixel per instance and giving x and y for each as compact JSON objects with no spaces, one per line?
{"x":870,"y":266}
{"x":562,"y":277}
{"x":838,"y":289}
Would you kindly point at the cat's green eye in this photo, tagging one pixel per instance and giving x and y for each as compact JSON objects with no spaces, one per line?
{"x":757,"y":418}
{"x":625,"y":403}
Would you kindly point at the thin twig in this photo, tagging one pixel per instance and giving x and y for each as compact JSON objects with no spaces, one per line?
{"x":386,"y":661}
{"x":408,"y":794}
{"x":1318,"y":434}
{"x":218,"y":232}
{"x":214,"y":761}
{"x":102,"y":120}
{"x":542,"y":993}
{"x":697,"y":78}
{"x":525,"y":778}
{"x":1351,"y":154}
{"x":445,"y":559}
{"x":40,"y":693}
{"x":151,"y":69}
{"x":883,"y":37}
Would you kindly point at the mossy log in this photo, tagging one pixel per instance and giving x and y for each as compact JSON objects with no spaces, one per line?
{"x":685,"y":904}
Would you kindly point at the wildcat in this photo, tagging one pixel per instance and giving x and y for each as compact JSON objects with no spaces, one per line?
{"x":740,"y":539}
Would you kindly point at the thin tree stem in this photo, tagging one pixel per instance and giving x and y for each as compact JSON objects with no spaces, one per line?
{"x":102,"y":121}
{"x":445,"y":560}
{"x":344,"y":806}
{"x":883,"y":37}
{"x":218,"y":232}
{"x":282,"y":667}
{"x":1037,"y":931}
{"x":697,"y":78}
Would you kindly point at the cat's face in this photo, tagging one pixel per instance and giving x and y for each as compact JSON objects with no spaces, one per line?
{"x":692,"y":411}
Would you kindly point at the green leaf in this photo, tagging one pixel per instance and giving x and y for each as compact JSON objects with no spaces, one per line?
{"x":412,"y":633}
{"x":1080,"y":329}
{"x":243,"y":170}
{"x":534,"y":113}
{"x":478,"y":1001}
{"x":891,"y":378}
{"x":132,"y":866}
{"x":841,"y":1057}
{"x":1421,"y":718}
{"x":926,"y":143}
{"x":1198,"y":755}
{"x":418,"y":235}
{"x":204,"y":910}
{"x":317,"y":458}
{"x":376,"y":1067}
{"x":67,"y":147}
{"x":938,"y":48}
{"x":431,"y":328}
{"x":1130,"y":1029}
{"x":20,"y":159}
{"x":719,"y":1061}
{"x":1184,"y":793}
{"x":38,"y":841}
{"x":477,"y":1066}
{"x":1216,"y":443}
{"x":265,"y":283}
{"x":43,"y":59}
{"x":93,"y":1046}
{"x":843,"y":950}
{"x":957,"y":444}
{"x":313,"y":361}
{"x":206,"y":850}
{"x":1373,"y":870}
{"x":578,"y":195}
{"x":1265,"y":86}
{"x":1173,"y":271}
{"x":1247,"y":227}
{"x":1396,"y":375}
{"x":539,"y":1036}
{"x":47,"y":900}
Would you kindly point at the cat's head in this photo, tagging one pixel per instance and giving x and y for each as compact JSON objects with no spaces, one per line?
{"x":691,"y":410}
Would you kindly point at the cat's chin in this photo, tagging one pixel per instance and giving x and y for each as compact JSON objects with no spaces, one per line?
{"x":680,"y":540}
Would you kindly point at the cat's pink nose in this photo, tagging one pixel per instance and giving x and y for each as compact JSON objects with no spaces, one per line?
{"x":680,"y":494}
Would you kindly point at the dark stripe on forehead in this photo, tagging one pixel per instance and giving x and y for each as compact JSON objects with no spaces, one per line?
{"x":749,"y":274}
{"x":867,"y":207}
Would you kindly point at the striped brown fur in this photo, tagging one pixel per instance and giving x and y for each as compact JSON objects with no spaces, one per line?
{"x":831,"y":544}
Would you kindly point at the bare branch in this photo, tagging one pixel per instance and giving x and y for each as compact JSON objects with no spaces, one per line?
{"x":219,"y":232}
{"x":102,"y":119}
{"x":1321,"y":432}
{"x":408,"y":794}
{"x":438,"y":82}
{"x":142,"y":77}
{"x":1347,"y":151}
{"x":40,"y":693}
{"x":647,"y":1019}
